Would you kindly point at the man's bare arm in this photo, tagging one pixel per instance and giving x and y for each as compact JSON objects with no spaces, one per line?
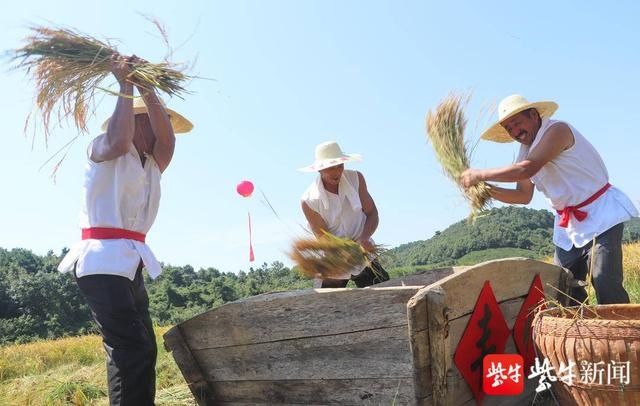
{"x":522,"y":194}
{"x":371,"y":211}
{"x":165,"y":142}
{"x":119,"y":136}
{"x":315,"y":220}
{"x":558,"y":138}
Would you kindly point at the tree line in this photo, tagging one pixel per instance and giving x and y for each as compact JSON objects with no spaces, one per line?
{"x":38,"y":302}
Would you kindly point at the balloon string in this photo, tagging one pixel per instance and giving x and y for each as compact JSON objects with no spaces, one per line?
{"x":251,"y":256}
{"x":265,"y":201}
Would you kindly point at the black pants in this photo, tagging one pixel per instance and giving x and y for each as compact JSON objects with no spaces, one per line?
{"x":606,"y":274}
{"x":120,"y":307}
{"x":370,"y":275}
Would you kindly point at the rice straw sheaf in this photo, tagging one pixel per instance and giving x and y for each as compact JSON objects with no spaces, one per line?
{"x":329,"y":256}
{"x":68,"y":66}
{"x":445,"y":130}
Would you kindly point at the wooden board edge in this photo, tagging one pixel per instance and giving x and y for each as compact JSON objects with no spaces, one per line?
{"x":175,"y":343}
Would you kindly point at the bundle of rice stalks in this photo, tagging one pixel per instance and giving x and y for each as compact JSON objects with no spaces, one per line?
{"x":445,"y":129}
{"x":68,"y":66}
{"x":329,"y":257}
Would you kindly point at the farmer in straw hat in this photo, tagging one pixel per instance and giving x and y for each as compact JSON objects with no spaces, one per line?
{"x":568,"y":170}
{"x":338,"y":202}
{"x":121,"y":198}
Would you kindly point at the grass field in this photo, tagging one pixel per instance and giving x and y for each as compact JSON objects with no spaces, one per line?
{"x":71,"y":371}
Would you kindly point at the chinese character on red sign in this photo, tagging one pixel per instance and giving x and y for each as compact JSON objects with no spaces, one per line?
{"x":503,"y":374}
{"x":522,"y":326}
{"x":486,"y":333}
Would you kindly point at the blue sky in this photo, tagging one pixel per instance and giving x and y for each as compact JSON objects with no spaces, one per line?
{"x":291,"y":74}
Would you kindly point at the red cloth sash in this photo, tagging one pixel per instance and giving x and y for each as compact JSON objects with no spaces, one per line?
{"x":106,"y":233}
{"x":580,"y":215}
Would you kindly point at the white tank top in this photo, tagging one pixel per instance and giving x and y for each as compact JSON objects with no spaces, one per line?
{"x":119,"y":193}
{"x":571,"y":178}
{"x":341,"y":212}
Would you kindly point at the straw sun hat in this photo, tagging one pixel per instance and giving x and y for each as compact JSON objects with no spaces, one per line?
{"x":329,"y":154}
{"x":179,"y":123}
{"x":509,"y":107}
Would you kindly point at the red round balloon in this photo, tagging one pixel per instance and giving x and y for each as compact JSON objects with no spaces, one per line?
{"x":245,"y":188}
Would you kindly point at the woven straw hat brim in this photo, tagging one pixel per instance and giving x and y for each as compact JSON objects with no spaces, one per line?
{"x":329,"y":162}
{"x":179,"y":123}
{"x":497,"y":133}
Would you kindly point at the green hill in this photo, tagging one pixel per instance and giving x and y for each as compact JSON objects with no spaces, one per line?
{"x":475,"y":257}
{"x":501,"y":232}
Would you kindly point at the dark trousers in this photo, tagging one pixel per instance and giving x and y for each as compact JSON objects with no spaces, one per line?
{"x":120,"y":307}
{"x":606,"y":274}
{"x":370,"y":275}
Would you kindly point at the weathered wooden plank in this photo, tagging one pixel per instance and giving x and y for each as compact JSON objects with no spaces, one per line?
{"x":509,"y":308}
{"x":364,"y":354}
{"x":459,"y":391}
{"x":451,"y":301}
{"x":526,"y":398}
{"x":449,"y":387}
{"x":421,"y":278}
{"x":417,"y":310}
{"x":265,"y":297}
{"x":417,"y":318}
{"x":282,"y":348}
{"x":378,"y":391}
{"x":190,"y":368}
{"x":304,"y":314}
{"x":421,"y":364}
{"x":510,"y":278}
{"x":267,"y":403}
{"x":441,"y":355}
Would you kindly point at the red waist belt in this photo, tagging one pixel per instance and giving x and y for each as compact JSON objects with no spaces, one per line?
{"x":106,"y":233}
{"x":579,"y":214}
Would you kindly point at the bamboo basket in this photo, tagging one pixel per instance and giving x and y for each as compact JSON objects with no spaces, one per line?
{"x":611,"y":336}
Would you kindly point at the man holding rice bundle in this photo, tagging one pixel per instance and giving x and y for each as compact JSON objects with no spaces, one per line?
{"x":568,"y":170}
{"x":121,"y":199}
{"x":339,"y":202}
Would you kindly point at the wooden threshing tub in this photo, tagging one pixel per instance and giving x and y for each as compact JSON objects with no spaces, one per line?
{"x":383,"y":345}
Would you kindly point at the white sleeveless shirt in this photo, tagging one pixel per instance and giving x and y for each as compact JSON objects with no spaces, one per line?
{"x":572,"y":177}
{"x":341,"y":212}
{"x":119,"y":193}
